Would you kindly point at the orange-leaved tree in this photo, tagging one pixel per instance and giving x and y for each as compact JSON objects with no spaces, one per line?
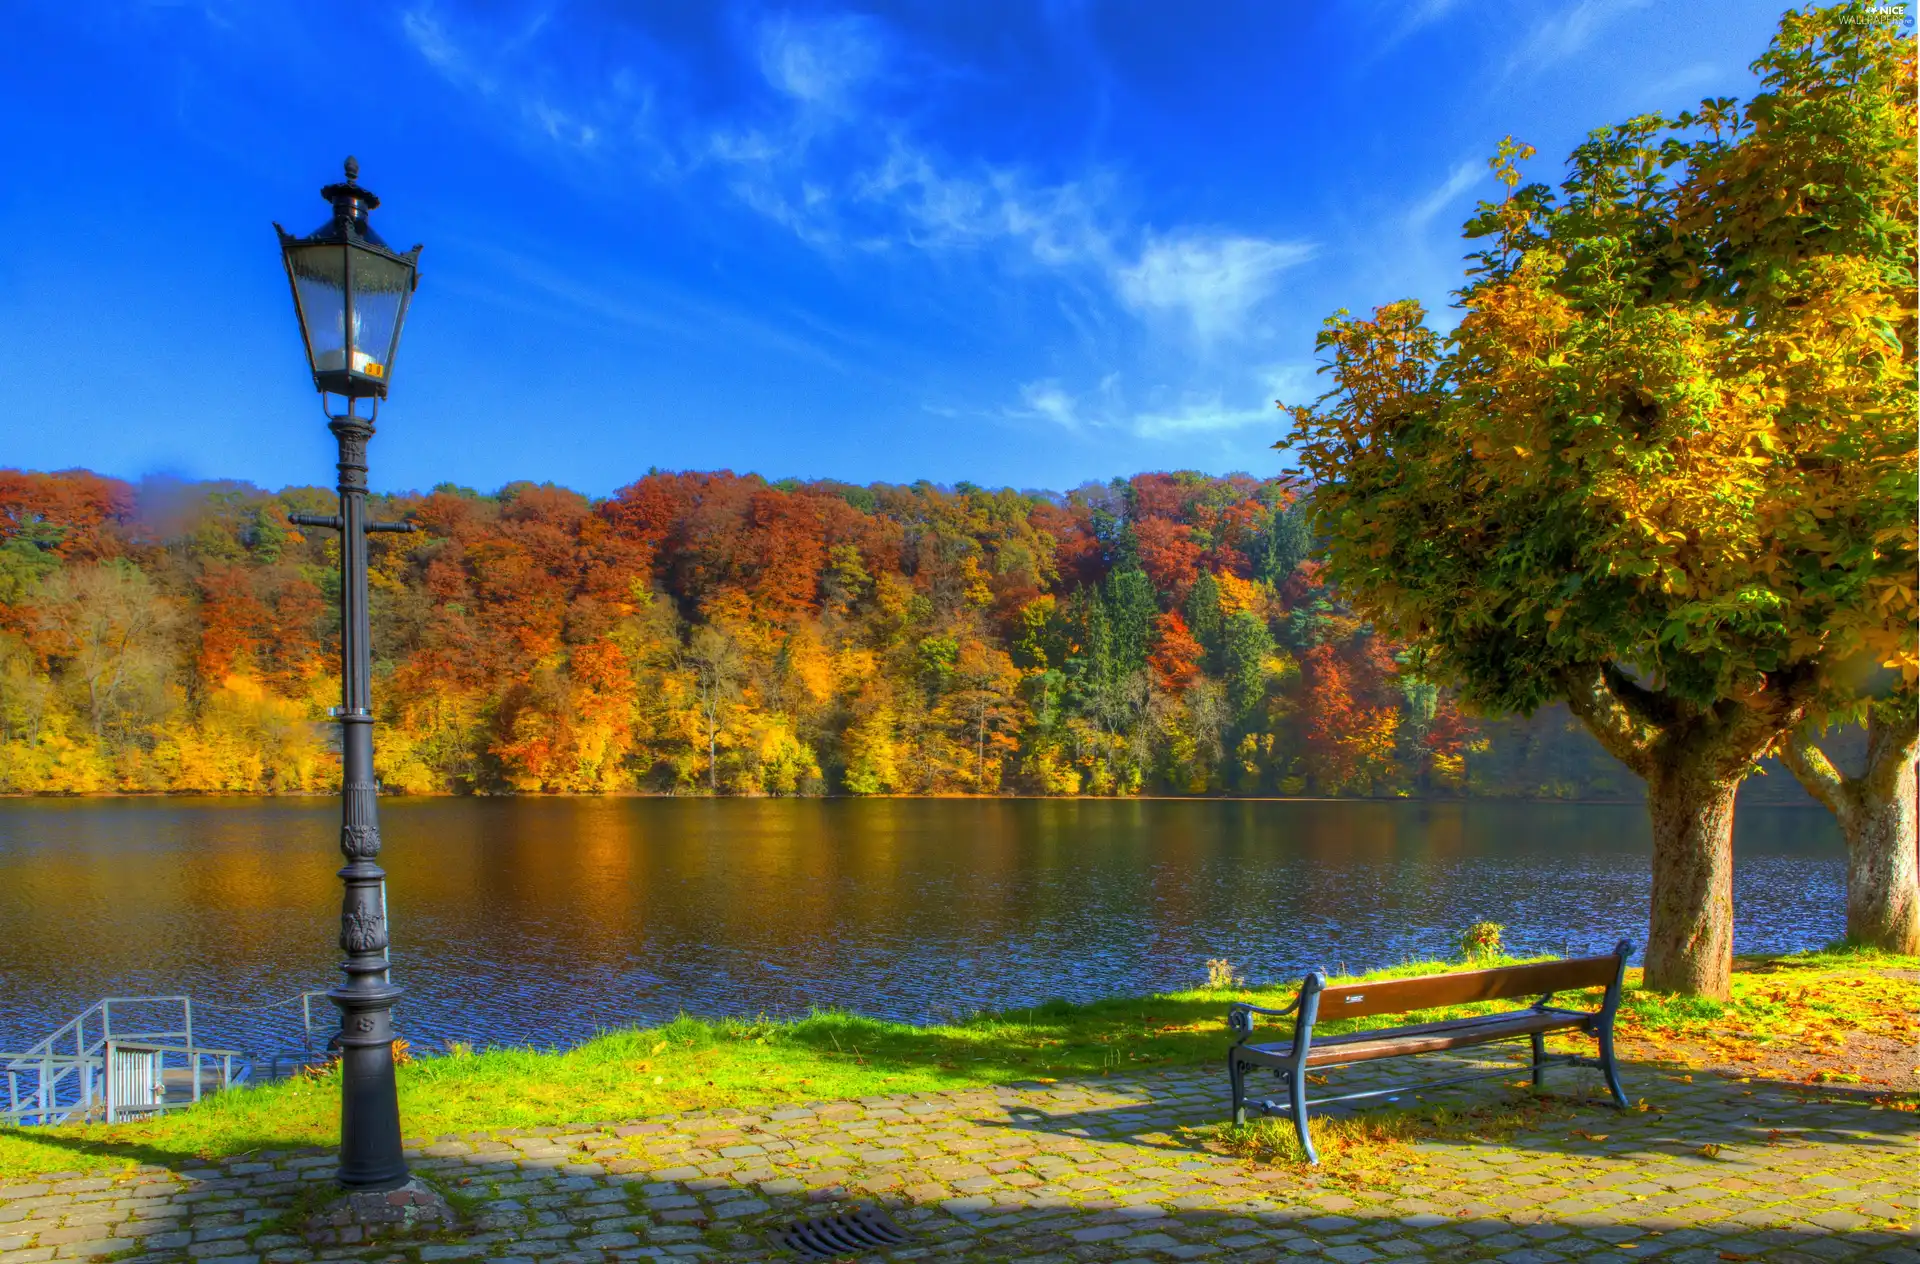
{"x":1663,"y":468}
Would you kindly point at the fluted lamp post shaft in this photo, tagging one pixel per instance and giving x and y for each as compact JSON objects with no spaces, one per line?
{"x":351,"y":292}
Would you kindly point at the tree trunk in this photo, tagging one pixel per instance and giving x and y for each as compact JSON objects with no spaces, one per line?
{"x":980,"y":758}
{"x":1690,"y":942}
{"x":1876,"y":813}
{"x":1883,"y":887}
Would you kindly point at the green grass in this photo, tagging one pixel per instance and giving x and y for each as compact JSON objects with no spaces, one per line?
{"x":696,"y":1063}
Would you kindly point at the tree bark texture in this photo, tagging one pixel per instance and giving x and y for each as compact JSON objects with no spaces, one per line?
{"x":1876,"y":812}
{"x":1690,"y":941}
{"x":1883,"y":875}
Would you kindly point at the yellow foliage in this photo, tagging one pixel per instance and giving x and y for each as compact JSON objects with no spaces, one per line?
{"x":811,"y":664}
{"x":61,"y":761}
{"x":974,"y":582}
{"x":853,"y":667}
{"x":778,"y":761}
{"x":1238,"y":594}
{"x":891,"y":593}
{"x":1054,"y":773}
{"x":431,"y":728}
{"x":872,"y":759}
{"x":246,"y":740}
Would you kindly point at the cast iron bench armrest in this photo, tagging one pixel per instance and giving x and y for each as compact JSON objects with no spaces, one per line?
{"x":1240,"y":1017}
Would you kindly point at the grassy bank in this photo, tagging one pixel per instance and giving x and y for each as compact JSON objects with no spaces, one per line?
{"x":1815,"y":999}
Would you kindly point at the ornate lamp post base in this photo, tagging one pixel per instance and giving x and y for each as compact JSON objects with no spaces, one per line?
{"x":415,"y":1209}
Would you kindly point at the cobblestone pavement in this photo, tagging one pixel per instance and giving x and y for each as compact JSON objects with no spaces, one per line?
{"x":1092,"y":1171}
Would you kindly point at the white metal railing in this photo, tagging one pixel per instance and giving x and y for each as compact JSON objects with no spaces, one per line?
{"x":127,"y":1056}
{"x":89,"y":1070}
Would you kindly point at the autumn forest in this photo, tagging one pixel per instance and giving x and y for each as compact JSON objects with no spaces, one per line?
{"x":720,"y":634}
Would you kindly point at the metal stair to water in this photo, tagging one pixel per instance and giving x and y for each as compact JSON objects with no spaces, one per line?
{"x":121,"y":1058}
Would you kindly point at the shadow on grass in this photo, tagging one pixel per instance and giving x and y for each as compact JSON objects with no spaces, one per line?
{"x":75,"y":1143}
{"x":1056,"y":1038}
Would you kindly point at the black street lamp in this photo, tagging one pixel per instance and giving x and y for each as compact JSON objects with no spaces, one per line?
{"x":351,"y":290}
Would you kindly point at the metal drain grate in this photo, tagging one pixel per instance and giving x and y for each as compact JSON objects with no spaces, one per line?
{"x":831,"y":1237}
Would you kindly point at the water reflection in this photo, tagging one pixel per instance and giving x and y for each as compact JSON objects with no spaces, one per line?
{"x":539,"y":921}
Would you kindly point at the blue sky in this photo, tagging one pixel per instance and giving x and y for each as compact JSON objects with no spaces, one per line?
{"x":1024,"y":244}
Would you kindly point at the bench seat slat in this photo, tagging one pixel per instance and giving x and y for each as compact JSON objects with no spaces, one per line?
{"x":1457,"y":1033}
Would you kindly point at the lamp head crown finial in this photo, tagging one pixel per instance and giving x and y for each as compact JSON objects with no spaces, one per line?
{"x":353,"y":169}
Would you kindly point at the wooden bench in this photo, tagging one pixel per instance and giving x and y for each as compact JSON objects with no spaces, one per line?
{"x":1306,"y":1052}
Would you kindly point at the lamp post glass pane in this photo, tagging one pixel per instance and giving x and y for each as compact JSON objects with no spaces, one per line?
{"x":320,"y":283}
{"x":380,"y":288}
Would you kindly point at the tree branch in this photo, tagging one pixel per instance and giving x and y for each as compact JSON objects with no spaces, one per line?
{"x":1893,"y":741}
{"x":1650,"y":710}
{"x":1815,"y":772}
{"x":1768,"y":719}
{"x":1616,"y":710}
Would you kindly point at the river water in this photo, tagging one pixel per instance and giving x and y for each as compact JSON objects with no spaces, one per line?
{"x":540,"y":921}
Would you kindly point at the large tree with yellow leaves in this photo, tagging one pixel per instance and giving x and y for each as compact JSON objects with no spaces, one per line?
{"x":1664,"y":467}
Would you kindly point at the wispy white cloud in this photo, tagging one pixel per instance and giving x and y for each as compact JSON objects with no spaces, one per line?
{"x":431,"y":39}
{"x":939,"y":208}
{"x":1213,"y":280}
{"x":1413,"y":17}
{"x":1568,"y":32}
{"x":817,"y":68}
{"x":819,"y":62}
{"x":562,"y":127}
{"x":1198,"y":417}
{"x":1046,"y":401}
{"x":843,"y":174}
{"x":1192,"y":415}
{"x":1463,"y":177}
{"x":817,"y":148}
{"x":1665,"y":92}
{"x":835,"y":169}
{"x":453,"y":58}
{"x":663,"y":312}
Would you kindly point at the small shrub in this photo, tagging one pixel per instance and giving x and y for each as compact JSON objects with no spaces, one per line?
{"x":1481,"y":941}
{"x":1220,"y":975}
{"x":318,"y":1072}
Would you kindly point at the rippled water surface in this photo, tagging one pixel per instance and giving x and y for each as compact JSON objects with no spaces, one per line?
{"x":540,"y":920}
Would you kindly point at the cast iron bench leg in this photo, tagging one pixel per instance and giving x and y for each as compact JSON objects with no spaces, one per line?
{"x":1297,"y":1091}
{"x":1539,"y":1057}
{"x":1610,"y":1069}
{"x":1237,"y":1079}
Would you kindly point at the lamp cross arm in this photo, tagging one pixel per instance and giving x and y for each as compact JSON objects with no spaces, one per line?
{"x":332,"y":522}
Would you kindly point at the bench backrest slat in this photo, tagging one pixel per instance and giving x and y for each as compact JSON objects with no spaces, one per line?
{"x":1398,"y":996}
